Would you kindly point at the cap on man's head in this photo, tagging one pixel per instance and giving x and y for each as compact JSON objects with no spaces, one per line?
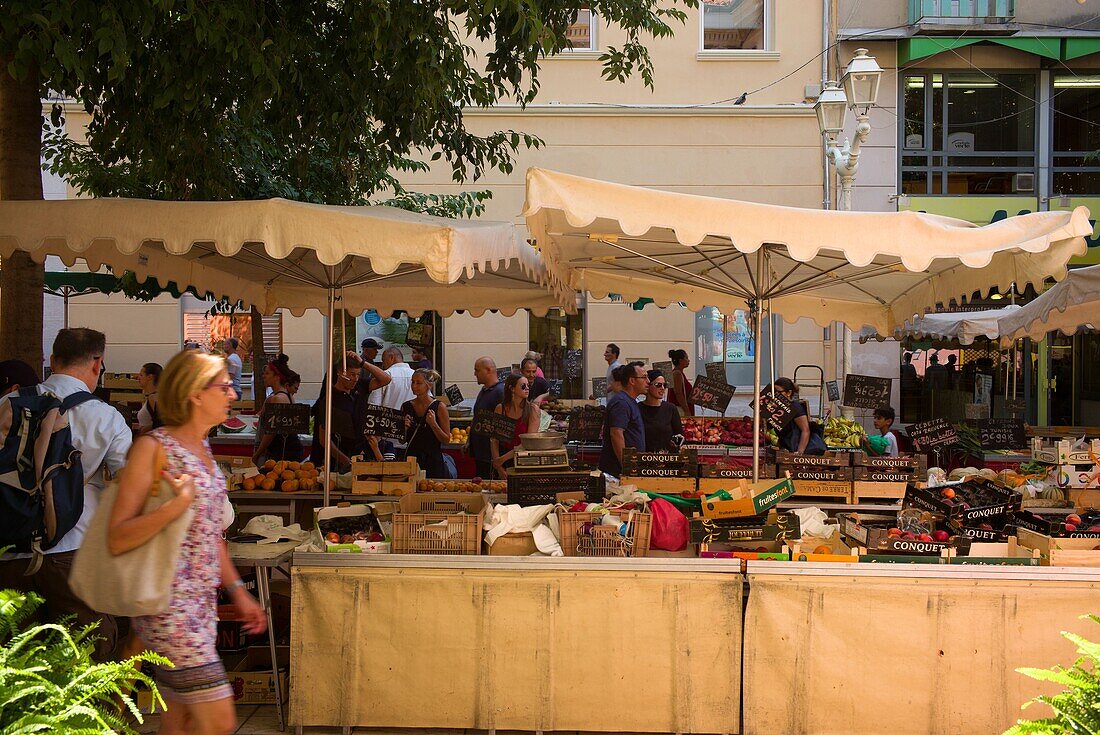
{"x":370,"y":344}
{"x":17,"y":372}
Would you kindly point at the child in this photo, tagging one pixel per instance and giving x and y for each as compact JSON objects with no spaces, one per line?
{"x":884,"y":419}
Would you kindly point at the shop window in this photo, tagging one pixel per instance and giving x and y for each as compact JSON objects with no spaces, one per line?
{"x":734,"y":25}
{"x":983,"y":126}
{"x":1075,"y":102}
{"x":581,"y":33}
{"x":559,"y":338}
{"x":209,"y":331}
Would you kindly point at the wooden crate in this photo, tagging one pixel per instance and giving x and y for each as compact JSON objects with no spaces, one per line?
{"x":1061,"y":552}
{"x":384,"y":478}
{"x":835,"y":491}
{"x":1084,"y":498}
{"x":122,"y":381}
{"x":673,"y":485}
{"x":865,"y":491}
{"x":829,"y":459}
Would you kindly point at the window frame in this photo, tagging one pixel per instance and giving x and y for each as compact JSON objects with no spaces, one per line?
{"x":1055,"y":169}
{"x":928,"y":151}
{"x":593,"y":49}
{"x":767,"y":53}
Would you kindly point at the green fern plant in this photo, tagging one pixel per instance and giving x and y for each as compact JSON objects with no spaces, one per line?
{"x":49,"y":683}
{"x":1077,"y":708}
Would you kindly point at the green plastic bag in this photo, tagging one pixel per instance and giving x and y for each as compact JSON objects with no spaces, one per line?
{"x":878,"y":444}
{"x":681,"y":503}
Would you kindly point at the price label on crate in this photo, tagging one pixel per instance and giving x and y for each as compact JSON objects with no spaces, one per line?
{"x":1001,"y":433}
{"x":712,"y":394}
{"x":866,"y":391}
{"x":585,"y":424}
{"x":493,"y":425}
{"x":833,"y":389}
{"x":599,"y":387}
{"x":384,"y":422}
{"x":286,"y":418}
{"x":932,"y":434}
{"x":573,"y":364}
{"x":716,"y":371}
{"x":775,"y":410}
{"x":454,"y":394}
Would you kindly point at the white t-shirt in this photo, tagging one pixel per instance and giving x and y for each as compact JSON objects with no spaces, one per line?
{"x":236,"y":366}
{"x":891,"y":444}
{"x":397,"y":391}
{"x":103,"y":438}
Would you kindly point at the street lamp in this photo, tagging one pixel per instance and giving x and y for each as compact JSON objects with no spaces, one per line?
{"x":860,"y":90}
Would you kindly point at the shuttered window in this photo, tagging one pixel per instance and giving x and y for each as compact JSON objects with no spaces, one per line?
{"x":210,"y":331}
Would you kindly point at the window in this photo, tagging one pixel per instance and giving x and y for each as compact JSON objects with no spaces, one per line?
{"x":1076,"y":107}
{"x":211,"y":331}
{"x":559,"y":338}
{"x":582,"y":31}
{"x":734,"y":25}
{"x":968,"y":133}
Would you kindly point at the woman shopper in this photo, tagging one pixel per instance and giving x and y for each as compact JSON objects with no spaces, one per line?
{"x":528,"y":417}
{"x":679,"y":393}
{"x":427,"y":425}
{"x":661,"y":419}
{"x":195,"y":393}
{"x":280,"y":447}
{"x":147,"y":416}
{"x":797,"y":437}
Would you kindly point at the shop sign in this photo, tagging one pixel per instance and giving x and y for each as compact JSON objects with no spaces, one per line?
{"x":712,"y":394}
{"x":1001,"y":434}
{"x":556,"y":386}
{"x":503,"y":373}
{"x":286,"y":418}
{"x":866,"y":391}
{"x":454,"y":394}
{"x":833,"y":389}
{"x":585,"y":424}
{"x":493,"y":425}
{"x":383,"y":422}
{"x":657,"y":464}
{"x":932,"y":434}
{"x":716,"y":371}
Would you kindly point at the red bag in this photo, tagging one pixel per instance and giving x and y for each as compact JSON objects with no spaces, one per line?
{"x":669,"y":530}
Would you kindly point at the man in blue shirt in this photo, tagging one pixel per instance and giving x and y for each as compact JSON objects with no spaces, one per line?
{"x":488,"y":398}
{"x":623,"y":426}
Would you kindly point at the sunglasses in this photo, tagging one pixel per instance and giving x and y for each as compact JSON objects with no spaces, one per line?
{"x":659,"y":385}
{"x":523,"y":386}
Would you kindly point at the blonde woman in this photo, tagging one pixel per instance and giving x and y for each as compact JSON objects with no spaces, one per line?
{"x":195,"y":393}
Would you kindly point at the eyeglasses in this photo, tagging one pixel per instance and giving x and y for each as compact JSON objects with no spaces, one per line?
{"x":223,"y":387}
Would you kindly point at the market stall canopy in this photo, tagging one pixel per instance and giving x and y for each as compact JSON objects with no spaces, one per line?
{"x":862,"y":268}
{"x":278,"y":253}
{"x":962,"y":327}
{"x":1065,"y":307}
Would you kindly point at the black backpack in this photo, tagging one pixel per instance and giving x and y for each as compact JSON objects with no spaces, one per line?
{"x":41,"y":476}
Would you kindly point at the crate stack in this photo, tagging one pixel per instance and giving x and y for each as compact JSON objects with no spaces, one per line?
{"x":1075,"y":468}
{"x":885,"y":478}
{"x":393,"y":479}
{"x":825,"y":478}
{"x":668,"y":473}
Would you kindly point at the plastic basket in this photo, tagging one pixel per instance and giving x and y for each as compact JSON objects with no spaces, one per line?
{"x":581,"y":536}
{"x":438,"y":523}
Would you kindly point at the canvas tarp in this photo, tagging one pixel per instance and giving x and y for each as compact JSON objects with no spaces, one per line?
{"x":1065,"y":307}
{"x":963,"y":327}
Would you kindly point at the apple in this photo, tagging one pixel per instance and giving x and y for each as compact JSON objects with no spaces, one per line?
{"x":894,"y":532}
{"x":1070,"y":528}
{"x":941,"y":535}
{"x":1074,"y":519}
{"x":924,"y":537}
{"x":908,"y":536}
{"x":985,"y":526}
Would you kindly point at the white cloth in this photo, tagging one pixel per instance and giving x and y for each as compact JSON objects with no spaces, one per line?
{"x":516,"y":519}
{"x":103,"y":438}
{"x":397,"y":391}
{"x":236,"y":367}
{"x":144,"y":417}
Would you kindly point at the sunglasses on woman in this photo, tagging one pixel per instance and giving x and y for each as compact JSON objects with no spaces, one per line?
{"x":523,"y":386}
{"x":662,"y":386}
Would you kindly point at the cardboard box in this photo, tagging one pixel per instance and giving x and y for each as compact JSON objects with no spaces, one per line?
{"x":385,"y":478}
{"x":770,"y":526}
{"x":862,"y":490}
{"x":877,"y":474}
{"x":671,"y":485}
{"x":655,"y":464}
{"x":829,"y":459}
{"x":356,"y":547}
{"x":230,"y":633}
{"x":1064,"y":452}
{"x":749,"y":499}
{"x":817,"y":474}
{"x":997,"y":501}
{"x":252,"y":679}
{"x":1055,"y":525}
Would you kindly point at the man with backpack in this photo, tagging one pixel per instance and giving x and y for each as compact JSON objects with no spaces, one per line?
{"x":58,"y":439}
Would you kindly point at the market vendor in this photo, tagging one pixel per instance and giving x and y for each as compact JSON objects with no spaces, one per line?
{"x":524,"y":412}
{"x":540,"y":388}
{"x":661,"y":418}
{"x":344,"y":430}
{"x":488,"y":398}
{"x":796,"y":436}
{"x":623,"y":425}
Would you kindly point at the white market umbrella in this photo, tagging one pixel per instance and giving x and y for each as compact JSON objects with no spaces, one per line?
{"x":1065,"y":307}
{"x":964,"y":327}
{"x":283,"y":254}
{"x":860,"y":268}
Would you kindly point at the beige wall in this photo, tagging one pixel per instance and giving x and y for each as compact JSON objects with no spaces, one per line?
{"x":467,"y":338}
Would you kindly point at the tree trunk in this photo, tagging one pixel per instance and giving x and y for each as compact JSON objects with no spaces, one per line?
{"x":258,"y":351}
{"x":21,"y":279}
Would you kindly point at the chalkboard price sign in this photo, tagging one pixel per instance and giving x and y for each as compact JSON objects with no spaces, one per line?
{"x":286,"y":418}
{"x":574,"y":364}
{"x":503,"y":373}
{"x":776,"y":411}
{"x":866,"y":391}
{"x":599,"y":387}
{"x":716,"y":371}
{"x":712,"y":394}
{"x":833,"y":390}
{"x":556,"y":386}
{"x":585,"y":424}
{"x":454,"y":394}
{"x":493,"y":425}
{"x":1001,"y":434}
{"x":932,"y":434}
{"x":384,"y":422}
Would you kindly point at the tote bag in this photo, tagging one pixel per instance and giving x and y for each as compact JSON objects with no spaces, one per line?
{"x":139,"y":581}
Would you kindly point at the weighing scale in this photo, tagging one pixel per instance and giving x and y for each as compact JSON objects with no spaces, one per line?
{"x":544,"y":459}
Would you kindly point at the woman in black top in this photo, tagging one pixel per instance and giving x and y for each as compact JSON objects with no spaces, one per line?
{"x":661,"y":419}
{"x":427,"y":425}
{"x":148,"y":418}
{"x":278,"y":377}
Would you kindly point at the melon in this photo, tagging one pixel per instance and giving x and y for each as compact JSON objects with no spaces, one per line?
{"x":233,"y":425}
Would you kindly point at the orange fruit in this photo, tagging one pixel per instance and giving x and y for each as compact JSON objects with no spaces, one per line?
{"x":268,"y":484}
{"x":269,"y":465}
{"x":289,"y":486}
{"x":823,"y":549}
{"x":294,"y":466}
{"x":287,"y":475}
{"x":307,"y":466}
{"x":248,"y":484}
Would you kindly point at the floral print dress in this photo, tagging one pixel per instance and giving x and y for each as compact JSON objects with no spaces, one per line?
{"x":186,"y":633}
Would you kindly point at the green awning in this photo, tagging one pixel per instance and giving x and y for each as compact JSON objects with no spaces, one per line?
{"x":1075,"y":48}
{"x":920,"y":47}
{"x":79,"y":283}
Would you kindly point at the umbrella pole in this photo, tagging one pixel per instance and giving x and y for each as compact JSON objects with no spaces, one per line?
{"x":328,"y":393}
{"x":758,"y":333}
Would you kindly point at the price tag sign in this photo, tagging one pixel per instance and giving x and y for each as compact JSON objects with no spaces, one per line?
{"x":493,"y":425}
{"x":503,"y":373}
{"x":585,"y":424}
{"x":419,"y":335}
{"x":716,"y":371}
{"x":454,"y":394}
{"x":932,"y":434}
{"x":712,"y":394}
{"x":833,"y":389}
{"x":776,"y":411}
{"x":574,"y":364}
{"x":599,"y":387}
{"x":866,"y":391}
{"x":384,"y":422}
{"x":555,"y":386}
{"x":1001,"y":434}
{"x":286,"y":418}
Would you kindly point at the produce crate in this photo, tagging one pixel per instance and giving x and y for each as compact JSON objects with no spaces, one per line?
{"x":1055,"y":525}
{"x":993,"y":501}
{"x":881,"y":483}
{"x":439,"y":523}
{"x":672,"y":485}
{"x":384,"y":478}
{"x":1062,"y":552}
{"x":654,"y":464}
{"x":877,"y":474}
{"x":820,"y":474}
{"x":864,"y":491}
{"x":910,"y":463}
{"x":1084,"y":499}
{"x":829,"y":459}
{"x":770,"y":526}
{"x":579,"y":539}
{"x":460,"y":486}
{"x":542,"y":488}
{"x":121,"y":381}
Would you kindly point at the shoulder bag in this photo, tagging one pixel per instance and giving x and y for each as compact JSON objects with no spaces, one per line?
{"x":139,"y":581}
